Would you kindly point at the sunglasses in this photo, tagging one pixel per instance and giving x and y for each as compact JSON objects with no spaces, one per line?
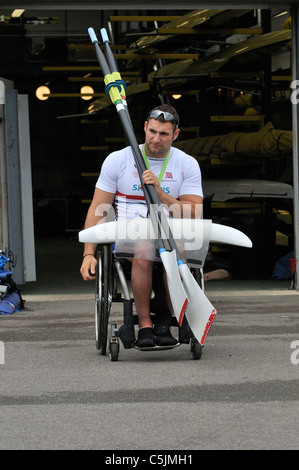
{"x":166,"y":116}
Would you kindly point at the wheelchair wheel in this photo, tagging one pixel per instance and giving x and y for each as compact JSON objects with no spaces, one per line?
{"x":196,"y":349}
{"x":113,"y":351}
{"x":103,"y":298}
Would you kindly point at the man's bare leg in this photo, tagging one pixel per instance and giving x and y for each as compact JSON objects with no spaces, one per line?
{"x":168,"y":299}
{"x":141,"y":278}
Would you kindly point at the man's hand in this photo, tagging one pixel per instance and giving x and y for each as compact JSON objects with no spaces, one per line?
{"x":187,"y":206}
{"x":88,"y":268}
{"x":148,"y":177}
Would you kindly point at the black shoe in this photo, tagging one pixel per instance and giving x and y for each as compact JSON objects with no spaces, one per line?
{"x":146,"y":338}
{"x":164,"y":337}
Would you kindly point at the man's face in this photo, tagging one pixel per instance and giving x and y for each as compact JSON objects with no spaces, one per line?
{"x":159,"y":137}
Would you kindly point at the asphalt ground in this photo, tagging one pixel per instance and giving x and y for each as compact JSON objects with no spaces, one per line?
{"x":58,"y":393}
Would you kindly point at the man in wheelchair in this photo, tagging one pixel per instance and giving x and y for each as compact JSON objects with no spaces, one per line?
{"x":176,"y":177}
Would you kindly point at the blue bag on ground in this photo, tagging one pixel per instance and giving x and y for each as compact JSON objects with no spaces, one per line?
{"x":10,"y":303}
{"x":282,"y":268}
{"x":12,"y":300}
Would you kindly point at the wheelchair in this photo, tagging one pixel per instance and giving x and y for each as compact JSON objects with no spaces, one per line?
{"x":113,"y":285}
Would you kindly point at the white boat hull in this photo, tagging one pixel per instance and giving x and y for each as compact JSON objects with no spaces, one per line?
{"x":199,"y":312}
{"x":195,"y":232}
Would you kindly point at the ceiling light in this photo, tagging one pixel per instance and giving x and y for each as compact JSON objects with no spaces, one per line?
{"x":17,"y":13}
{"x":41,"y":91}
{"x":86,"y":92}
{"x":281,"y":14}
{"x":176,"y":96}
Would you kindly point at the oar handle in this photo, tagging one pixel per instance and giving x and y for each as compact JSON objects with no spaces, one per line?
{"x":112,"y":64}
{"x":110,"y":56}
{"x":112,"y":88}
{"x":100,"y":55}
{"x":104,"y":35}
{"x":93,"y":36}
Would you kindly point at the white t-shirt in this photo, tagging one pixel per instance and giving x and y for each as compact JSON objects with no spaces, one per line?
{"x":119,"y":176}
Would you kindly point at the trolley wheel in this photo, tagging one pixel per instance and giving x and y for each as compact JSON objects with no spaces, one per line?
{"x":114,"y":351}
{"x":103,"y":298}
{"x":196,"y":349}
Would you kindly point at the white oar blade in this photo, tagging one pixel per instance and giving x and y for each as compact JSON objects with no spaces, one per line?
{"x":200,"y":312}
{"x":177,"y":292}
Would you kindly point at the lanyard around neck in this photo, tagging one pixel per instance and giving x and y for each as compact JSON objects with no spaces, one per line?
{"x":163,"y":167}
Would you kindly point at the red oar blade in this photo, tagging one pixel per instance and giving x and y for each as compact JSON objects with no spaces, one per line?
{"x":200,"y":313}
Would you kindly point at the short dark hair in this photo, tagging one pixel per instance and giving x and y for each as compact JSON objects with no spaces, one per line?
{"x":169,"y":109}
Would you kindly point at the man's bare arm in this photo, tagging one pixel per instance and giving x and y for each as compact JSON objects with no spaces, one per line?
{"x":97,"y":211}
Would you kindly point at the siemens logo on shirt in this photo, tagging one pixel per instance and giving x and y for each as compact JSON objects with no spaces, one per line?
{"x":136,"y":187}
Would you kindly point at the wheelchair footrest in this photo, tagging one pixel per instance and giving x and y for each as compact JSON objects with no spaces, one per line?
{"x":158,"y":348}
{"x":126,"y":334}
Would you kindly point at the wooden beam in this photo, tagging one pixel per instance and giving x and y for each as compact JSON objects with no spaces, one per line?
{"x":282,"y":78}
{"x":74,"y":95}
{"x":144,"y":18}
{"x":70,"y":68}
{"x":175,"y":56}
{"x":170,"y":56}
{"x":256,"y":75}
{"x":85,"y":79}
{"x":86,"y":47}
{"x":208,"y":31}
{"x":125,"y":76}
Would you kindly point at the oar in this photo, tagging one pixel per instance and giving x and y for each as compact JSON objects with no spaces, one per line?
{"x":154,"y":218}
{"x":177,"y":292}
